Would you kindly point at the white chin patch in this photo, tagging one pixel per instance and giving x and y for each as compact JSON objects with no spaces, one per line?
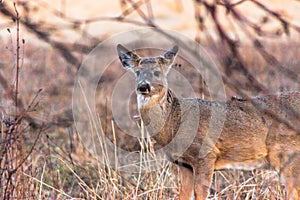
{"x":144,"y":100}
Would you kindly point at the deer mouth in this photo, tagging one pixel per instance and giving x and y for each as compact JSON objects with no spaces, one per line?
{"x":151,"y":90}
{"x":145,"y":92}
{"x":143,"y":88}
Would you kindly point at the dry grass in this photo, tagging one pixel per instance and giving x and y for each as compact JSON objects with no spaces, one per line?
{"x":59,"y":167}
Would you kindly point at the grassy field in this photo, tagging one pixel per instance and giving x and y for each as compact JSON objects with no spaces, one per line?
{"x":49,"y":161}
{"x":42,"y":155}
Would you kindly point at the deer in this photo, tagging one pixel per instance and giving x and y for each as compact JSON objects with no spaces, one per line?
{"x":251,"y":138}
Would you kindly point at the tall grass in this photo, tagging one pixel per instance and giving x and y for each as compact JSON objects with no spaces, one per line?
{"x":50,"y":162}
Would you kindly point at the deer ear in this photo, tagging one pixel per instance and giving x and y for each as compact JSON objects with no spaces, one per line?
{"x":169,"y":57}
{"x":128,"y":58}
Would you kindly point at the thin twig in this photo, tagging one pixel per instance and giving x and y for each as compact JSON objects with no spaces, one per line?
{"x":18,"y":56}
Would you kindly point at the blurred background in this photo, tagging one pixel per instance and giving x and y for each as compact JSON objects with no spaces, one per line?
{"x":42,"y":45}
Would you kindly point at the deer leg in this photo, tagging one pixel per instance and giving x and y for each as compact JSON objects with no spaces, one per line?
{"x":203,"y":173}
{"x":290,"y":174}
{"x":187,"y":181}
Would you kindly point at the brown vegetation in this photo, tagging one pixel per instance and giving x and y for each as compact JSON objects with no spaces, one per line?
{"x":41,"y":155}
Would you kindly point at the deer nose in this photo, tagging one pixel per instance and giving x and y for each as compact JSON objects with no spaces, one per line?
{"x":143,"y":88}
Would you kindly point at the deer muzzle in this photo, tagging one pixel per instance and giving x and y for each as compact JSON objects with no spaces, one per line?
{"x":143,"y":88}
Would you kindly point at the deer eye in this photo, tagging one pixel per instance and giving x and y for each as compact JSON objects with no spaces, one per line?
{"x":137,"y":73}
{"x":157,"y":73}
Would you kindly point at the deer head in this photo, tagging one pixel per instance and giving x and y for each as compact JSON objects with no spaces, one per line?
{"x":150,"y":73}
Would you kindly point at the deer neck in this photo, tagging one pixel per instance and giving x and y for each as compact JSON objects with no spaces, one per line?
{"x":157,"y":115}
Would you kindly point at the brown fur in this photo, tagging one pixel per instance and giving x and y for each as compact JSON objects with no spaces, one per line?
{"x":252,"y":137}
